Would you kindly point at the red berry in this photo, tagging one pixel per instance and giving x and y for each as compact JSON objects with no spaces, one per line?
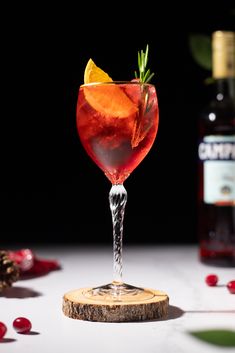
{"x":211,"y":280}
{"x":3,"y":330}
{"x":22,"y":325}
{"x":231,"y":287}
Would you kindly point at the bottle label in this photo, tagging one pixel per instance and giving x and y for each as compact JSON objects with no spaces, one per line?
{"x":218,"y":156}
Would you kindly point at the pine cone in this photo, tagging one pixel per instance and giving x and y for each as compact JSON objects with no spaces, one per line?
{"x":9,"y":271}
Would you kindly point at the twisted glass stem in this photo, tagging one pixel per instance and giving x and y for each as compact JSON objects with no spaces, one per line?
{"x":117,"y":201}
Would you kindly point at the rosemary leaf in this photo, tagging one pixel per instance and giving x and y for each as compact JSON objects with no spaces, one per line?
{"x":144,"y":73}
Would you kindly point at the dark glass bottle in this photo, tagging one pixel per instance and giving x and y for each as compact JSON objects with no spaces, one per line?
{"x":216,"y":152}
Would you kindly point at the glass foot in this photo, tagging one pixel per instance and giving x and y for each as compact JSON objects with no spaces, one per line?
{"x":118,"y":292}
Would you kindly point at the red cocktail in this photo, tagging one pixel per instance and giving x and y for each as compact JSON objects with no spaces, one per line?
{"x":117,"y":124}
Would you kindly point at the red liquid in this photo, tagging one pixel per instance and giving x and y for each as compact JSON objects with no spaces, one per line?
{"x":118,"y":144}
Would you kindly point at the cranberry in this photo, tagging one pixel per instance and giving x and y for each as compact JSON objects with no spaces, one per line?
{"x":22,"y":325}
{"x":231,"y":287}
{"x":211,"y":280}
{"x":3,"y":330}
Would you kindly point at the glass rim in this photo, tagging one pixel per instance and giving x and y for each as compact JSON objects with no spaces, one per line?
{"x":117,"y":83}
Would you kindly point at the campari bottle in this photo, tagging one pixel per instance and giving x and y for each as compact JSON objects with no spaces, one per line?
{"x":216,"y":152}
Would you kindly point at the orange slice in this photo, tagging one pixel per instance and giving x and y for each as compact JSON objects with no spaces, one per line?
{"x":93,"y":73}
{"x":106,"y":99}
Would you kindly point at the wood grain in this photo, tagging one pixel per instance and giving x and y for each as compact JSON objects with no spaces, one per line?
{"x":77,"y":306}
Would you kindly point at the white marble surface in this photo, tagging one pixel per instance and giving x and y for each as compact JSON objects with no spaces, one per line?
{"x":173,"y":269}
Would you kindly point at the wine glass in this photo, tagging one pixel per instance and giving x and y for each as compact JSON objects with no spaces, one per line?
{"x":117,"y":123}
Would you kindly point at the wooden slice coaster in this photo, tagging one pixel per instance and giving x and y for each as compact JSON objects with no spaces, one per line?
{"x":77,"y":306}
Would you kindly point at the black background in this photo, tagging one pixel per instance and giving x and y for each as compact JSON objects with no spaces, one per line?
{"x":50,"y":190}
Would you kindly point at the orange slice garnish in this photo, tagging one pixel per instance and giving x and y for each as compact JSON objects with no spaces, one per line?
{"x":106,"y":99}
{"x":93,"y":73}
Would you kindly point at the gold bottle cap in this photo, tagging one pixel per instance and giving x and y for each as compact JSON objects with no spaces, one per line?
{"x":223,"y":54}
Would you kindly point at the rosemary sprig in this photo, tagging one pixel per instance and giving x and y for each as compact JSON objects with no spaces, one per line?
{"x":143,"y":76}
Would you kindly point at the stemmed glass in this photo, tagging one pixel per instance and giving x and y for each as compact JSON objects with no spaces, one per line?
{"x":117,"y":123}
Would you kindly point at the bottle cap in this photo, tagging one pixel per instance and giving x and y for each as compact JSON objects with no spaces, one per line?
{"x":223,"y":54}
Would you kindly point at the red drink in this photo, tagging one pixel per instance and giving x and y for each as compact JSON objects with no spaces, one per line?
{"x":117,"y":124}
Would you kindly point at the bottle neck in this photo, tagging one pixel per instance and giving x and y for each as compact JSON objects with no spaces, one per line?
{"x":225,"y":87}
